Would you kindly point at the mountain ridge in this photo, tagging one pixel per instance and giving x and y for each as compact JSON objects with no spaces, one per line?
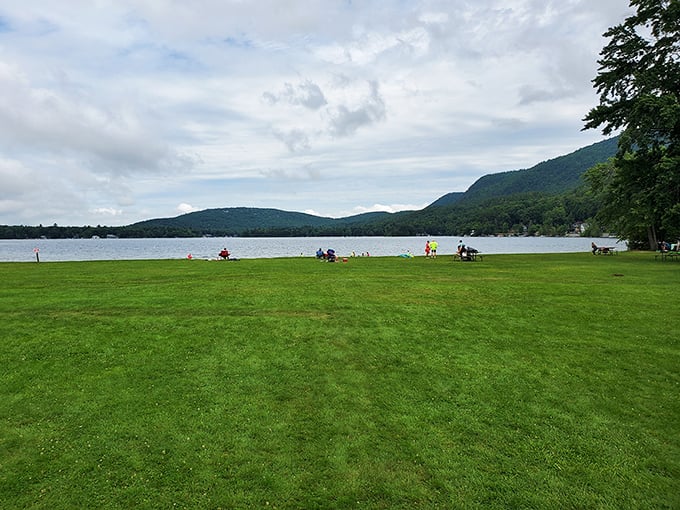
{"x":553,"y":176}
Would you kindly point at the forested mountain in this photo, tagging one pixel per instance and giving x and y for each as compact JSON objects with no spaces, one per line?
{"x":250,"y":220}
{"x":448,"y":199}
{"x":531,"y":213}
{"x":557,"y":175}
{"x":236,"y":219}
{"x":546,"y":199}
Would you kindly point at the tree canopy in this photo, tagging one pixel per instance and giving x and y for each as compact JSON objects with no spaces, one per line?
{"x":639,"y":87}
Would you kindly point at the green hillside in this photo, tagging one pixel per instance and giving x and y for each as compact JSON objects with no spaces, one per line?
{"x":557,"y":175}
{"x":531,"y":213}
{"x":240,"y":220}
{"x":448,"y":199}
{"x":237,"y":219}
{"x":546,"y":199}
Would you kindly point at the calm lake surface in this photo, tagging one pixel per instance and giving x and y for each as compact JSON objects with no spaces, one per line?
{"x":53,"y":250}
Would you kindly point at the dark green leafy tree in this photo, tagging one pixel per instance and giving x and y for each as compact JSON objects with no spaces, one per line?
{"x":639,"y":87}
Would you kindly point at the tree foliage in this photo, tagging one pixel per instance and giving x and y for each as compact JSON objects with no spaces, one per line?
{"x":639,"y":87}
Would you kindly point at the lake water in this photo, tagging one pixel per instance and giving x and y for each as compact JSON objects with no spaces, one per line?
{"x":53,"y":250}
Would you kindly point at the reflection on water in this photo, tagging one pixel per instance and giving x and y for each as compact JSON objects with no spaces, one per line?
{"x":209,"y":247}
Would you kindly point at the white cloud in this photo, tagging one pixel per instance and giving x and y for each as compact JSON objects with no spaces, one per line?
{"x":312,"y":212}
{"x":392,"y":208}
{"x":107,"y":211}
{"x":295,"y":139}
{"x":344,"y":121}
{"x":184,"y":208}
{"x":307,"y":94}
{"x":114,"y":138}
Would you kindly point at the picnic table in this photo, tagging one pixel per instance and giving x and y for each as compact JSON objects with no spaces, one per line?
{"x":668,"y":255}
{"x":468,"y":256}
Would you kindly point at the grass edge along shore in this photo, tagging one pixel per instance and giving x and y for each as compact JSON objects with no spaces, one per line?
{"x":523,"y":381}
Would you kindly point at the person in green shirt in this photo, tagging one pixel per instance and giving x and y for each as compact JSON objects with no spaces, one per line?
{"x":433,"y":248}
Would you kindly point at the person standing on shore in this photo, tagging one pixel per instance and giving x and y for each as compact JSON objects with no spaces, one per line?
{"x":427,"y":249}
{"x":433,"y":248}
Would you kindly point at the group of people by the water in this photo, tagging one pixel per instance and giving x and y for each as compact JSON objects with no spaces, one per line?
{"x":328,"y":255}
{"x":431,"y":249}
{"x":462,"y":251}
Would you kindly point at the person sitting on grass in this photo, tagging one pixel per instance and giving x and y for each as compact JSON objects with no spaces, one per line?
{"x":330,"y":255}
{"x":224,"y":254}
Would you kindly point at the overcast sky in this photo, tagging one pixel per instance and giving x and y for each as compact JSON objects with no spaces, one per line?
{"x":115,"y":111}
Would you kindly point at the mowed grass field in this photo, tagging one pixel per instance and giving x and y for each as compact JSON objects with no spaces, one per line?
{"x":523,"y":381}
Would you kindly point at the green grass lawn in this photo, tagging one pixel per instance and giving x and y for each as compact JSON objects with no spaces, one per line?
{"x":523,"y":381}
